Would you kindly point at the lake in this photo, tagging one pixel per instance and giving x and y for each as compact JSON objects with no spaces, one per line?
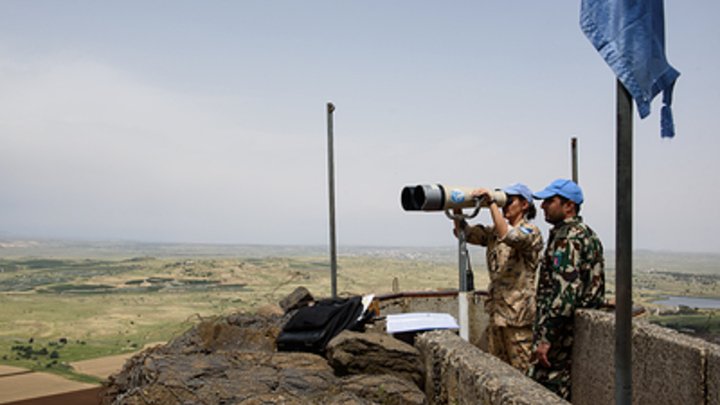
{"x":692,"y":302}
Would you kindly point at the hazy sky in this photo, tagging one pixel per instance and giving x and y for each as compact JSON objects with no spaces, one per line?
{"x":184,"y":121}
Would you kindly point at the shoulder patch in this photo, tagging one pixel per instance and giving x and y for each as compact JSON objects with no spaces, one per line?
{"x":559,"y":260}
{"x":526,"y":230}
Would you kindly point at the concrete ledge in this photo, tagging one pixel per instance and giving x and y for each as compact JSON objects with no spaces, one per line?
{"x":668,"y":367}
{"x":459,"y":373}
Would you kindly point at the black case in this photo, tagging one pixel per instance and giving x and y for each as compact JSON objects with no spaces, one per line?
{"x":311,"y":328}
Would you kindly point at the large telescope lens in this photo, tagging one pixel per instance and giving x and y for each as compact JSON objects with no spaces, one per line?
{"x":436,"y":197}
{"x":423,"y":198}
{"x":409,"y":200}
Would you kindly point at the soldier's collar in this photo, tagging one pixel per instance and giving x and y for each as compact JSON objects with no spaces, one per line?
{"x":569,"y":221}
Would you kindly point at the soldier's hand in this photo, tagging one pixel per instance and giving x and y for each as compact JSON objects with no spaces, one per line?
{"x":541,"y":354}
{"x":480,"y":192}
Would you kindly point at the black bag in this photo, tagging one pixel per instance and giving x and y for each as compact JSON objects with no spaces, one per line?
{"x":311,"y":328}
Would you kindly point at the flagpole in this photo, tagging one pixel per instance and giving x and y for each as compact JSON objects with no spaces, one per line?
{"x":623,"y":249}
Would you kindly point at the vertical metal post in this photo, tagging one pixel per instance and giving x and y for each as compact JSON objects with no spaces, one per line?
{"x":623,"y":249}
{"x":465,"y":282}
{"x":463,"y":264}
{"x":462,"y":260}
{"x":331,"y":188}
{"x":573,"y":149}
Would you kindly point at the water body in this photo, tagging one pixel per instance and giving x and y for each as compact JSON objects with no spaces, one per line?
{"x":692,"y":302}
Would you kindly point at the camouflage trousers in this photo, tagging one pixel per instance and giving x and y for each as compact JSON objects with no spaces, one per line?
{"x":556,"y":378}
{"x":510,"y":344}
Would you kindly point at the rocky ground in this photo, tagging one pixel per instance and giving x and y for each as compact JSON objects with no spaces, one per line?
{"x":233,"y":360}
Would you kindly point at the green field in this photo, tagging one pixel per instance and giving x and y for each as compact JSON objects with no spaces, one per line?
{"x":700,"y":322}
{"x":60,"y":310}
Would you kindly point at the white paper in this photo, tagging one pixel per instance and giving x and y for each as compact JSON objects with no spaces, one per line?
{"x":416,"y":321}
{"x":366,"y":301}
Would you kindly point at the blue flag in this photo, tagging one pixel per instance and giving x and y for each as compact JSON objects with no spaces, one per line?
{"x":630,"y":36}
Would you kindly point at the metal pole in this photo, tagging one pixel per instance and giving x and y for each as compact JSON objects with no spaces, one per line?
{"x":463,"y":260}
{"x":463,"y":264}
{"x":573,"y":148}
{"x":623,"y":248}
{"x":331,"y":188}
{"x":464,"y":270}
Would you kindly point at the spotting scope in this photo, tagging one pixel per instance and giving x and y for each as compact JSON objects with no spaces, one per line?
{"x":436,"y":197}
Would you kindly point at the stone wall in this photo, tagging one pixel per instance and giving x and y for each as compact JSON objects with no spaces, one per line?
{"x":712,"y":379}
{"x":459,"y":373}
{"x":667,"y":367}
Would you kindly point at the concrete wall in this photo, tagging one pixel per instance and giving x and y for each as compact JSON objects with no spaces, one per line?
{"x":712,"y":378}
{"x":459,"y":373}
{"x":668,"y":367}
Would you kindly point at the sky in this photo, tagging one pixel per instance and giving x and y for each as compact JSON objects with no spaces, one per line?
{"x":205,"y":122}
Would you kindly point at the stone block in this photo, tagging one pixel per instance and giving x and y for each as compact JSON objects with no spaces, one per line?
{"x":467,"y":375}
{"x":374,"y":353}
{"x":593,"y":367}
{"x":668,"y":367}
{"x":712,"y":379}
{"x":300,"y":297}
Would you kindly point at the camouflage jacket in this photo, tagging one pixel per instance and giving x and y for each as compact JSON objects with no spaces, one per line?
{"x":511,"y":262}
{"x":571,"y":276}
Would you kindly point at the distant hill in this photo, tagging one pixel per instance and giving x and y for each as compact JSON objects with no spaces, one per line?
{"x":645,"y":260}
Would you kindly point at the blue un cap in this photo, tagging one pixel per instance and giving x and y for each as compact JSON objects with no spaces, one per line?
{"x":519,"y":189}
{"x":562,"y":187}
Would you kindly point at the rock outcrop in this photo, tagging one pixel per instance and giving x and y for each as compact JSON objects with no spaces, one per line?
{"x":233,"y":360}
{"x":296,"y":299}
{"x":374,"y":353}
{"x":384,"y":389}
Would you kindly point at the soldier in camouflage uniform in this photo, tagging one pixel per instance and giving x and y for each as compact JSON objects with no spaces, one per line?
{"x":571,"y":276}
{"x":513,"y":250}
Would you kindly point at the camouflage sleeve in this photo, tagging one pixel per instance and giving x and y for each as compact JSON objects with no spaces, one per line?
{"x":559,"y":289}
{"x":526,"y":239}
{"x":594,"y":275}
{"x":477,"y":234}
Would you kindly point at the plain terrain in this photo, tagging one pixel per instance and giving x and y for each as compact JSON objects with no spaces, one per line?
{"x":67,"y":302}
